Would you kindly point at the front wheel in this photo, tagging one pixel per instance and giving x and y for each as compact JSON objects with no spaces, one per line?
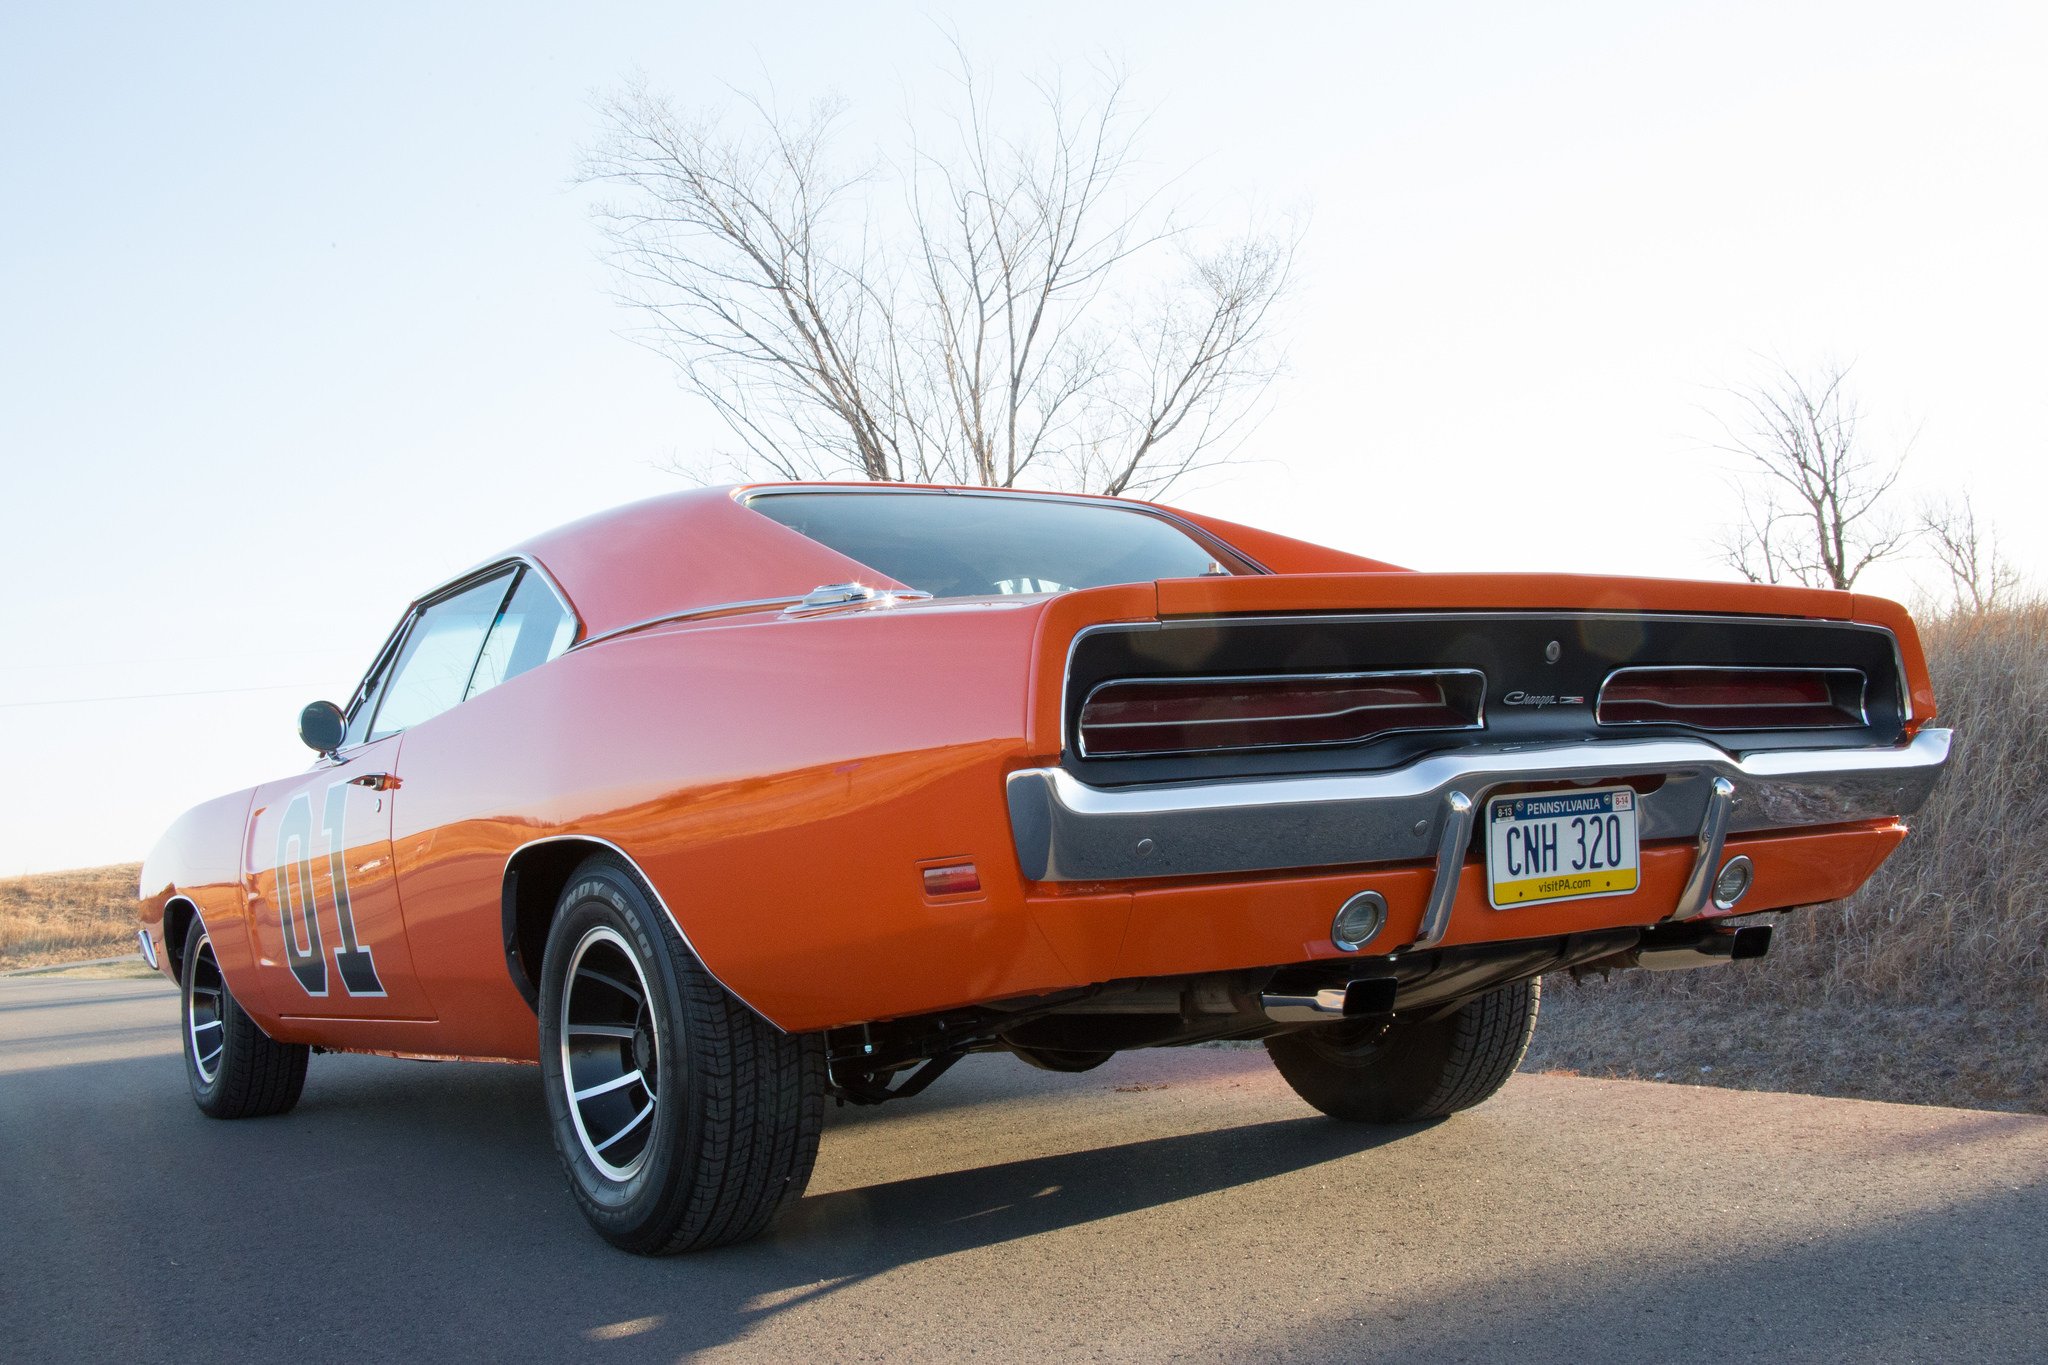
{"x":683,"y":1119}
{"x":1407,"y":1070}
{"x":237,"y":1071}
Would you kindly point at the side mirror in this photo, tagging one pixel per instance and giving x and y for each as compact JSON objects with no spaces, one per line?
{"x":321,"y":726}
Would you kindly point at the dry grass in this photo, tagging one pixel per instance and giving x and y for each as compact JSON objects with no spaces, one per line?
{"x":1972,"y":1057}
{"x":67,"y":916}
{"x":1959,"y":915}
{"x":1928,"y":985}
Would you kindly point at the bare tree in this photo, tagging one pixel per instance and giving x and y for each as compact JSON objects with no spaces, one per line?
{"x":1980,"y":577}
{"x":1025,"y":314}
{"x":1813,"y":496}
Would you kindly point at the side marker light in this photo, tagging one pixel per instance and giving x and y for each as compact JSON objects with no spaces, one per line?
{"x":955,"y":879}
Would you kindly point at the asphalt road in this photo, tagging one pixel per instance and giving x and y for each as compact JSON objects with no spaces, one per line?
{"x":1170,"y":1205}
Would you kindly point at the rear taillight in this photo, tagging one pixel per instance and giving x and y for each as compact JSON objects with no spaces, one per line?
{"x":1136,"y":716}
{"x":1733,"y":698}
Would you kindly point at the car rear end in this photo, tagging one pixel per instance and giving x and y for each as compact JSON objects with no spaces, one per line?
{"x":1346,"y":773}
{"x":1255,"y":798}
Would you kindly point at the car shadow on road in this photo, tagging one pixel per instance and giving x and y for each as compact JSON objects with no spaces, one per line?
{"x":404,"y":1182}
{"x":834,"y":1241}
{"x":830,"y":1241}
{"x":932,"y":1215}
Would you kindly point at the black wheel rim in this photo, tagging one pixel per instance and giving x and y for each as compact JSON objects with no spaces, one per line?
{"x":611,"y":1054}
{"x":205,"y":1013}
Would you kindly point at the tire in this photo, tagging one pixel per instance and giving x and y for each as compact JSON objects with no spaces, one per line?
{"x":237,"y":1071}
{"x":717,"y":1134}
{"x":1411,"y":1070}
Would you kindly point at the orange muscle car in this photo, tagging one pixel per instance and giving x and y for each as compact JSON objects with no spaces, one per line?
{"x":724,"y":803}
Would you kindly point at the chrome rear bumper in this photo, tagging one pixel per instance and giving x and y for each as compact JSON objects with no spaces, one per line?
{"x":1066,"y":830}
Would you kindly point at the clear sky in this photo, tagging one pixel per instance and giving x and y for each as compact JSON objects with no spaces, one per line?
{"x":300,"y":313}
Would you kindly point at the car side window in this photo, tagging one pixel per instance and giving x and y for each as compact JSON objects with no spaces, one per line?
{"x":434,"y":665}
{"x":533,"y":628}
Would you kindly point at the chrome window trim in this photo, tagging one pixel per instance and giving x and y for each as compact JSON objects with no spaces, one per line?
{"x":796,"y":607}
{"x":396,"y":639}
{"x":489,"y":566}
{"x":510,"y":569}
{"x":1862,"y":693}
{"x":693,"y":614}
{"x":1211,"y":622}
{"x":746,"y":493}
{"x":1477,"y":723}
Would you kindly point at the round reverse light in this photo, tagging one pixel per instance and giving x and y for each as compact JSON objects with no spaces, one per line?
{"x":1359,"y":921}
{"x":1733,"y":882}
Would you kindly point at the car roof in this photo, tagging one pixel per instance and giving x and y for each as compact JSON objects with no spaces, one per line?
{"x":704,"y":548}
{"x":681,"y":552}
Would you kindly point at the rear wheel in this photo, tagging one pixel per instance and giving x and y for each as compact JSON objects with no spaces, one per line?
{"x":1407,"y":1070}
{"x":684,"y":1119}
{"x":236,"y":1070}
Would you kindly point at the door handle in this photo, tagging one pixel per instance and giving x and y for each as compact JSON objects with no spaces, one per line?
{"x":376,"y":782}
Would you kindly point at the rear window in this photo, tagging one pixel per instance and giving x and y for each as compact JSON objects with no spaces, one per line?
{"x":970,"y":545}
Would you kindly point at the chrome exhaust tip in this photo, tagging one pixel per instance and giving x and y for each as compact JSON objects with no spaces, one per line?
{"x":1320,"y":1008}
{"x":1360,"y":999}
{"x":1711,"y":947}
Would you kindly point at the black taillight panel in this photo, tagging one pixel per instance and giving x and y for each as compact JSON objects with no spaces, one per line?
{"x":1822,"y":684}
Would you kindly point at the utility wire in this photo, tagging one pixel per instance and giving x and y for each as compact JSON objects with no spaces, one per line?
{"x":215,"y":656}
{"x":152,"y":696}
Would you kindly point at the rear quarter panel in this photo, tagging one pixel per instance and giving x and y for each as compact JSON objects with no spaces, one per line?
{"x":779,"y":780}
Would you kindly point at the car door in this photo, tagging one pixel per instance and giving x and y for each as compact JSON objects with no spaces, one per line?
{"x":329,"y":935}
{"x":330,"y":930}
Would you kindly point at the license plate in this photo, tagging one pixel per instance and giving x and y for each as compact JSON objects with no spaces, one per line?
{"x":1560,"y":846}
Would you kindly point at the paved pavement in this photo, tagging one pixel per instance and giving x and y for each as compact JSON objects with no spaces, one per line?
{"x":1171,"y":1205}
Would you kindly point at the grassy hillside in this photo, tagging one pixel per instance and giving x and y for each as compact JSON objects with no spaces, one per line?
{"x":1929,"y":985}
{"x":67,"y":916}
